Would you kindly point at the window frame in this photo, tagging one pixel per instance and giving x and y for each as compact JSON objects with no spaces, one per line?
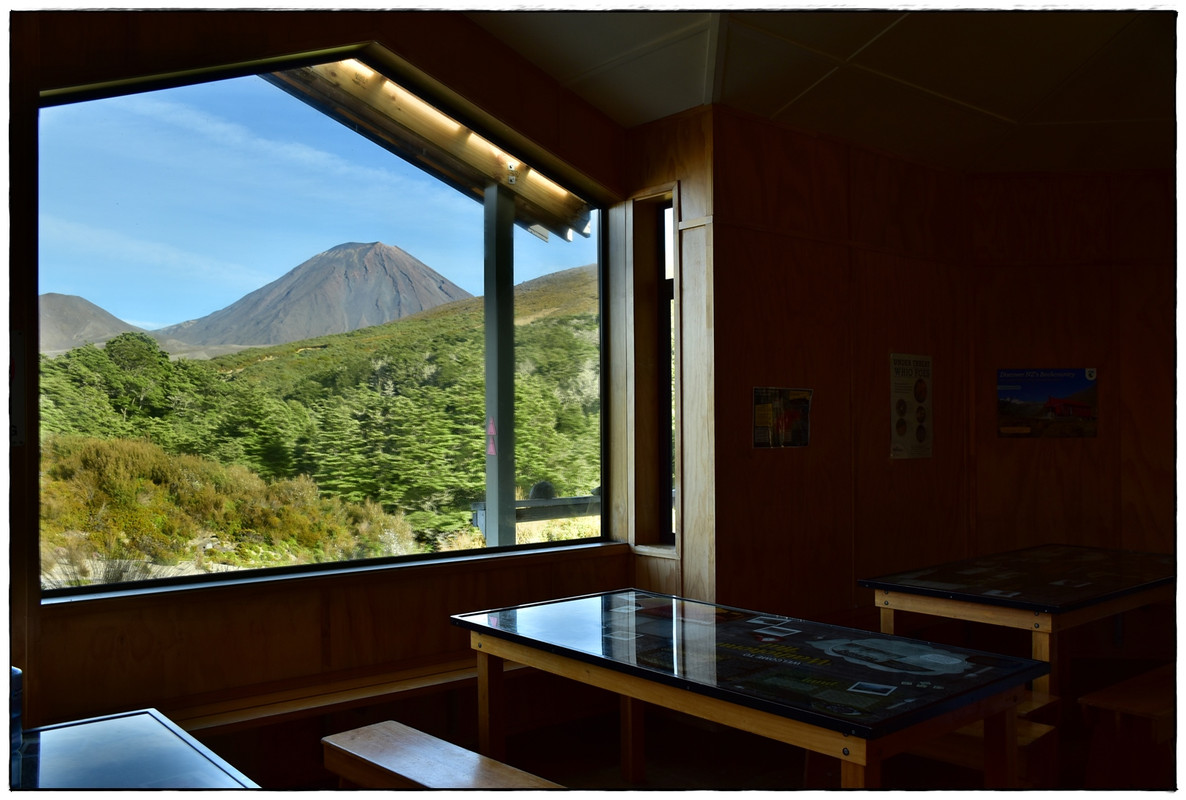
{"x":449,"y":103}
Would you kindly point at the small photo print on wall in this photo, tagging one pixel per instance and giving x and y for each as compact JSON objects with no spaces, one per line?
{"x":782,"y":417}
{"x":911,"y":424}
{"x":1047,"y":403}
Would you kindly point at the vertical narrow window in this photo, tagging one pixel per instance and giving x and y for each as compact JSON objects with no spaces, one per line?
{"x":667,"y":329}
{"x":263,"y":337}
{"x":654,"y":399}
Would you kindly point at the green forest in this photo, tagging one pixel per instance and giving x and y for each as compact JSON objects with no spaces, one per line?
{"x":357,"y":445}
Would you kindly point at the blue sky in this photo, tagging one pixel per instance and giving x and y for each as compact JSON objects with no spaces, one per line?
{"x":166,"y":206}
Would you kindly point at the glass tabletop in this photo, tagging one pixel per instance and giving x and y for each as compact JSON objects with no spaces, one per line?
{"x":1049,"y":578}
{"x":137,"y":750}
{"x":848,"y":680}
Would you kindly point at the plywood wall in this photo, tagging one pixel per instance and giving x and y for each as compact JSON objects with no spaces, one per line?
{"x":826,"y":259}
{"x":1077,"y":271}
{"x":185,"y":648}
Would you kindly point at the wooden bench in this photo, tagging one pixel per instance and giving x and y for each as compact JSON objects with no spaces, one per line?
{"x":390,"y":755}
{"x":1131,"y":726}
{"x":272,"y":705}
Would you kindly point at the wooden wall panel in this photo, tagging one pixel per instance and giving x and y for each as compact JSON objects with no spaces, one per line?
{"x":1142,"y":218}
{"x":1045,"y":297}
{"x":1039,"y":219}
{"x":658,"y":574}
{"x":905,"y":208}
{"x":678,"y":148}
{"x":1106,"y":301}
{"x":617,"y":324}
{"x":1146,"y":411}
{"x":769,"y":176}
{"x":784,"y":526}
{"x":698,"y":491}
{"x":185,"y":648}
{"x":909,"y":512}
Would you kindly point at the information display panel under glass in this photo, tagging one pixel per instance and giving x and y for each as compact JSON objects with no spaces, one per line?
{"x":848,"y":680}
{"x":1050,"y":578}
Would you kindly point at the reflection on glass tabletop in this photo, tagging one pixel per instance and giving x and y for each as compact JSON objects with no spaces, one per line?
{"x":845,"y":679}
{"x":1049,"y":578}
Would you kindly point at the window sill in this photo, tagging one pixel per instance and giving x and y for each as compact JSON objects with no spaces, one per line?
{"x":318,"y":572}
{"x":656,"y":550}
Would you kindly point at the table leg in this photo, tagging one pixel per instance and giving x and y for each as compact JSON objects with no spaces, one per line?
{"x":1042,"y":648}
{"x":860,"y":776}
{"x":491,"y":707}
{"x":633,"y":739}
{"x":1000,"y":750}
{"x":887,"y":620}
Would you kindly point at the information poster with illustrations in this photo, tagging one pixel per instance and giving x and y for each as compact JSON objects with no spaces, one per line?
{"x":782,"y":417}
{"x":1046,"y":403}
{"x":911,"y":427}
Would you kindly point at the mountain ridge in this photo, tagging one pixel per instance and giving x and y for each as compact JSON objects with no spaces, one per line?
{"x":346,"y":287}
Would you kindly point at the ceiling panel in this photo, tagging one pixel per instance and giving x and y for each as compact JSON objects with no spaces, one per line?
{"x":652,"y":83}
{"x":1131,"y":78}
{"x":836,"y":34}
{"x":854,"y":105}
{"x":968,"y":89}
{"x":570,"y":44}
{"x":1002,"y":62}
{"x":761,"y":75}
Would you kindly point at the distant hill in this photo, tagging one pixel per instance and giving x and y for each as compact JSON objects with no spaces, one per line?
{"x":67,"y":321}
{"x":345,"y":288}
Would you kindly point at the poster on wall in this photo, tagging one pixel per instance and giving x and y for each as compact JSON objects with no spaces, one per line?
{"x":911,"y":426}
{"x":1046,"y":403}
{"x":782,"y":417}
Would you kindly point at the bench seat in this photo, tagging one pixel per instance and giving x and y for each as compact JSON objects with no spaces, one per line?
{"x":390,"y":755}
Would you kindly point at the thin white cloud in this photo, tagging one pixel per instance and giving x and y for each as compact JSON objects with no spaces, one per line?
{"x":102,"y":244}
{"x":239,"y":140}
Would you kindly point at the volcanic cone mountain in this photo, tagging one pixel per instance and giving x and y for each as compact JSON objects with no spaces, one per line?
{"x":345,"y":288}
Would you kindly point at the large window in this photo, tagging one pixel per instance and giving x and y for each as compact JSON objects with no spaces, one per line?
{"x":304,"y":318}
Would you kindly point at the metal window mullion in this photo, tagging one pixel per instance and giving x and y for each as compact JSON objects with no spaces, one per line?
{"x":499,"y":309}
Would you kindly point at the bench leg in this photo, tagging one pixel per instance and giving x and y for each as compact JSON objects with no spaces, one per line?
{"x":633,"y":740}
{"x":491,"y":707}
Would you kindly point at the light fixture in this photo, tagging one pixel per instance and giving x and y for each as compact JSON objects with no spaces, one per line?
{"x":377,"y":107}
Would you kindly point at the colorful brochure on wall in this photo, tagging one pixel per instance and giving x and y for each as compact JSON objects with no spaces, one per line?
{"x":782,"y":417}
{"x":1046,"y":403}
{"x":911,"y":425}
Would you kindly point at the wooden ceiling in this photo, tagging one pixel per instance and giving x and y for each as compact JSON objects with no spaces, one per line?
{"x":974,"y":90}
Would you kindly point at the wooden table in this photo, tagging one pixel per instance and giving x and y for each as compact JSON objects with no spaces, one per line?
{"x":854,"y":695}
{"x":135,"y":750}
{"x":1044,"y":590}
